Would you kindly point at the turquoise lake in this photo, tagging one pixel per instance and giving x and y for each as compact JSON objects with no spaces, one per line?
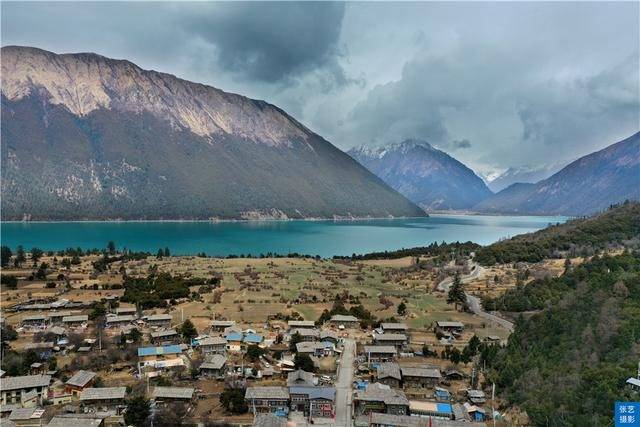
{"x":324,"y":238}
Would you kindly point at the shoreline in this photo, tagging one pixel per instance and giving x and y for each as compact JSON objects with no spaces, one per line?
{"x":271,"y":220}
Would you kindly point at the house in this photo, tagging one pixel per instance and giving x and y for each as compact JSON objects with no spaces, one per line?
{"x":300,"y":378}
{"x":329,"y":336}
{"x":380,"y":398}
{"x":215,"y":366}
{"x":476,"y":396}
{"x":475,"y":413}
{"x":388,"y":373}
{"x":380,"y":353}
{"x":159,"y":320}
{"x":413,"y":377}
{"x":13,"y":389}
{"x":172,"y":394}
{"x":126,"y":311}
{"x":44,"y":350}
{"x":165,"y":336}
{"x":453,"y":375}
{"x":394,"y":328}
{"x":396,"y":340}
{"x":213,"y":345}
{"x":252,"y":339}
{"x":301,"y":324}
{"x":27,"y":417}
{"x":35,"y":321}
{"x":76,"y":420}
{"x":75,"y":320}
{"x":431,"y":409}
{"x":442,"y":394}
{"x":119,"y":321}
{"x":633,"y":383}
{"x":315,"y":402}
{"x":315,"y":348}
{"x":162,"y":357}
{"x":267,"y":399}
{"x":234,"y":341}
{"x":387,"y":420}
{"x":449,"y":328}
{"x":104,"y":398}
{"x":307,"y":334}
{"x":56,"y":316}
{"x":345,"y":321}
{"x":79,"y":381}
{"x":221,"y":325}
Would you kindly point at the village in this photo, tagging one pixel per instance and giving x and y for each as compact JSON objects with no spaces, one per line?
{"x":80,"y":353}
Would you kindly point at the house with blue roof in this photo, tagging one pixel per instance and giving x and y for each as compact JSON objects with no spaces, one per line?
{"x":151,"y":359}
{"x":253,"y":339}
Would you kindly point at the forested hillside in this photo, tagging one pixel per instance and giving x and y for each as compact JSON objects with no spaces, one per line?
{"x":567,"y":365}
{"x":618,"y":226}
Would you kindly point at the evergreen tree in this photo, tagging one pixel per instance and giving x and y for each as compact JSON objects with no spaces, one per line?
{"x":21,"y":257}
{"x":138,"y":409}
{"x":5,"y":256}
{"x":36,"y":254}
{"x":304,"y":362}
{"x":188,"y":330}
{"x":402,"y":309}
{"x":456,"y":292}
{"x":295,"y":339}
{"x":111,"y":247}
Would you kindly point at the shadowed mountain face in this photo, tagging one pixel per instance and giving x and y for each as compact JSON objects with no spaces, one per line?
{"x":524,"y":175}
{"x":587,"y":185}
{"x":87,"y":137}
{"x":427,"y":176}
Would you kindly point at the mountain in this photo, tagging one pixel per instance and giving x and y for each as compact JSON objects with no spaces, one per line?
{"x":523,"y":174}
{"x":427,"y":176}
{"x":587,"y":185}
{"x":88,"y":137}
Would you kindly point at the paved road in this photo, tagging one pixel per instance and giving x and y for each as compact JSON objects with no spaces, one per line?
{"x":474,"y":302}
{"x":344,"y":384}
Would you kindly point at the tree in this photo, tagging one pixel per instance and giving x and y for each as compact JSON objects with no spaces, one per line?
{"x":295,"y":339}
{"x":98,"y":310}
{"x":36,"y":254}
{"x":5,"y":256}
{"x":304,"y":362}
{"x":41,"y":274}
{"x":254,"y":352}
{"x":21,"y":257}
{"x":135,"y":335}
{"x":160,"y":253}
{"x":232,"y":399}
{"x":402,"y":309}
{"x":166,"y":252}
{"x":111,"y":247}
{"x":188,"y":331}
{"x":137,"y":411}
{"x":456,"y":292}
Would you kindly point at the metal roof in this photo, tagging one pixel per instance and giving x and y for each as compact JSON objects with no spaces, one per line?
{"x":269,"y":420}
{"x":343,"y":318}
{"x":103,"y":393}
{"x":118,"y":319}
{"x":223,"y":323}
{"x":328,"y":393}
{"x":299,"y":376}
{"x":234,"y":336}
{"x":270,"y":392}
{"x":409,"y":371}
{"x":253,"y":338}
{"x":153,"y":317}
{"x":306,"y":332}
{"x":81,"y":378}
{"x":389,"y":337}
{"x":377,"y":392}
{"x":394,"y":326}
{"x":26,"y":414}
{"x":216,"y":361}
{"x":446,"y":324}
{"x":77,"y":318}
{"x":165,"y":349}
{"x":26,"y":381}
{"x":164,"y":333}
{"x":173,"y":392}
{"x":389,"y":370}
{"x":212,"y":341}
{"x":380,"y":349}
{"x":301,"y":323}
{"x":308,"y":346}
{"x":74,"y":422}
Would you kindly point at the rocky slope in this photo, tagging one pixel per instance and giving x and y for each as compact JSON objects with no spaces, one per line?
{"x":427,"y":176}
{"x":587,"y":185}
{"x":523,"y":174}
{"x":88,"y":137}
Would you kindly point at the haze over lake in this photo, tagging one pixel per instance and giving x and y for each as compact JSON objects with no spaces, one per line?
{"x":325,"y":238}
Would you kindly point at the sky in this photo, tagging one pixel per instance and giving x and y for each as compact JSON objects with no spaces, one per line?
{"x":495,"y":84}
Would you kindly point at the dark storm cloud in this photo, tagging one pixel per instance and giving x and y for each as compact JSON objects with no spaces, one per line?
{"x":271,"y":42}
{"x":460,"y":144}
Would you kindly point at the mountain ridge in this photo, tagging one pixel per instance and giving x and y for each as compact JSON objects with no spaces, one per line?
{"x":87,"y":137}
{"x":586,"y":185}
{"x":426,"y":175}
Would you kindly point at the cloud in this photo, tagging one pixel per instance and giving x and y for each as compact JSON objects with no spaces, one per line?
{"x":269,"y":42}
{"x":460,"y":144}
